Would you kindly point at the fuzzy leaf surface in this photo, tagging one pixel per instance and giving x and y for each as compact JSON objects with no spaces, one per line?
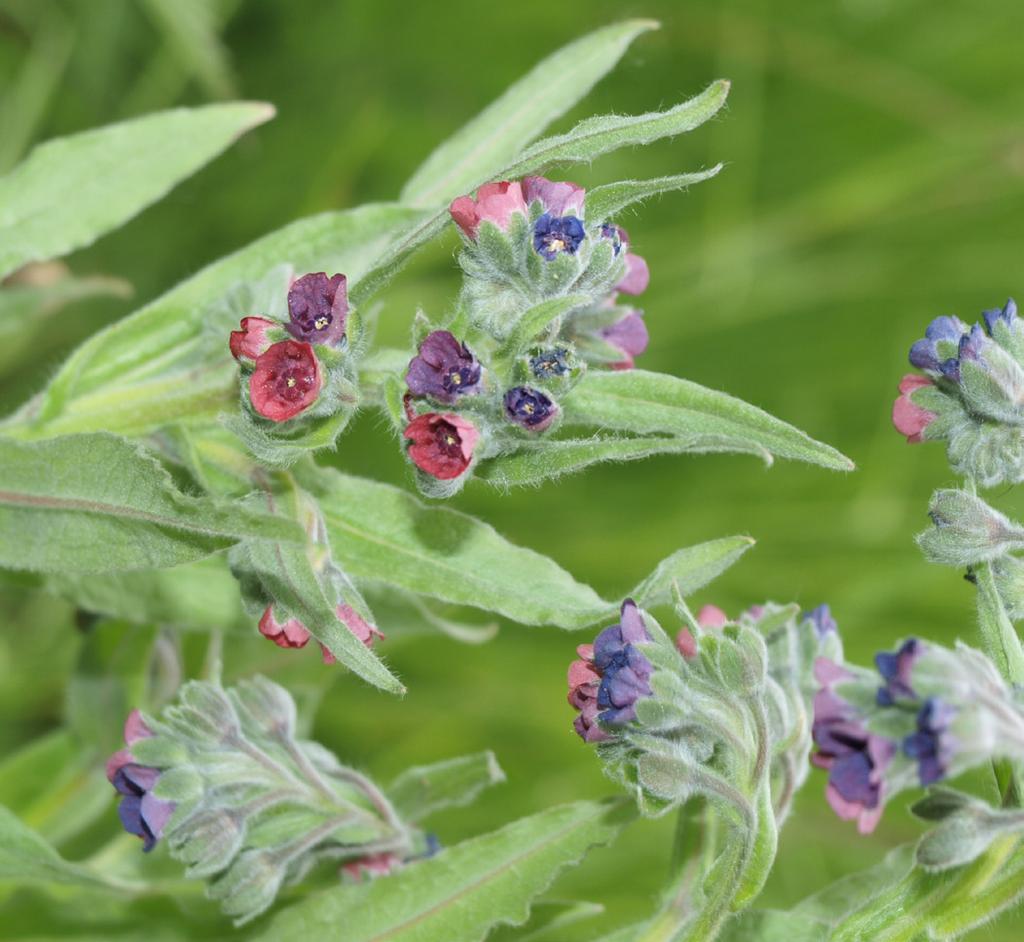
{"x":420,"y":791}
{"x":70,"y":191}
{"x":464,"y":891}
{"x":605,"y":202}
{"x":97,"y":503}
{"x":642,"y":402}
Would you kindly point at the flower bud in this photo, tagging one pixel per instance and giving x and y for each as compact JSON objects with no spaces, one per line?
{"x":494,"y":203}
{"x":908,"y":417}
{"x":967,"y":530}
{"x":252,"y":340}
{"x":529,"y":408}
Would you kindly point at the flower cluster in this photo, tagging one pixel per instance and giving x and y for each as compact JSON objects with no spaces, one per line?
{"x":924,"y":714}
{"x":971,"y":394}
{"x":473,"y":392}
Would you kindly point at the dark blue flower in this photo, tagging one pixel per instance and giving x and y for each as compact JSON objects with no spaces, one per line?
{"x":625,"y":671}
{"x":931,"y":745}
{"x":550,"y":364}
{"x":444,"y":369}
{"x":553,"y":235}
{"x":141,"y":812}
{"x":616,"y":235}
{"x":530,"y":408}
{"x":1007,"y":313}
{"x":821,"y":618}
{"x":895,"y":668}
{"x":924,"y":354}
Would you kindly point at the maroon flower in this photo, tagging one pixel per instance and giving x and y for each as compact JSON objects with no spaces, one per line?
{"x":249,"y":342}
{"x":318,"y":308}
{"x":495,"y":202}
{"x":371,"y":866}
{"x":442,"y":444}
{"x":444,"y":369}
{"x":909,"y":418}
{"x":141,"y":812}
{"x":286,"y":380}
{"x":294,"y":634}
{"x":584,"y":684}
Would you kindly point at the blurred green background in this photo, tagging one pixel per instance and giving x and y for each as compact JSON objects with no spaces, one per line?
{"x":874,"y":179}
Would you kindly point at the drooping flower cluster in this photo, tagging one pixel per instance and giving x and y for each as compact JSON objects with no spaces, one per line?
{"x":527,"y":243}
{"x":925,"y":713}
{"x":298,"y":368}
{"x":971,"y":394}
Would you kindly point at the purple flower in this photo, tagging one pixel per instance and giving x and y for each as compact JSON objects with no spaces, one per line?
{"x":141,"y":812}
{"x":637,"y":276}
{"x":557,"y":198}
{"x":550,"y":364}
{"x":318,"y":308}
{"x":821,"y":618}
{"x":932,"y":745}
{"x":553,"y":235}
{"x":629,"y":335}
{"x":530,"y":408}
{"x":924,"y":354}
{"x":856,"y":760}
{"x":1007,"y":313}
{"x":616,"y":235}
{"x":610,"y":676}
{"x":444,"y":369}
{"x":896,"y":668}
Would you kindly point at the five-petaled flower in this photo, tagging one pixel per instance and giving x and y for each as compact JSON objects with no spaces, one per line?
{"x":318,"y":308}
{"x":444,"y":369}
{"x":495,"y":203}
{"x":530,"y":408}
{"x":141,"y":812}
{"x":286,"y":381}
{"x":557,"y":235}
{"x":442,"y":444}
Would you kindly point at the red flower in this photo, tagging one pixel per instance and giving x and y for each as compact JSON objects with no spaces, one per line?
{"x":495,"y":202}
{"x":249,"y":342}
{"x":910,"y":419}
{"x":286,"y":380}
{"x":294,"y":634}
{"x":442,"y":445}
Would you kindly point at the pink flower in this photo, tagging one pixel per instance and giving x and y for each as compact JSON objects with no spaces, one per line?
{"x":495,"y":202}
{"x":637,"y":276}
{"x":910,"y":419}
{"x":286,"y":380}
{"x":249,"y":342}
{"x":371,"y":866}
{"x":294,"y":634}
{"x":710,"y":616}
{"x":629,"y":335}
{"x":584,"y":684}
{"x":442,"y":444}
{"x":558,"y":198}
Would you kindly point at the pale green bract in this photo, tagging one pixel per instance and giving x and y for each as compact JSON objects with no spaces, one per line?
{"x":60,"y":197}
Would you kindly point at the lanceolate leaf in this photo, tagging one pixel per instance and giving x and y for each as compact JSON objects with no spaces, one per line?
{"x":383,"y":534}
{"x":536,"y":319}
{"x":169,"y":361}
{"x":690,"y":569}
{"x":72,"y":190}
{"x":604,"y":202}
{"x":645,"y":403}
{"x":420,"y":791}
{"x":465,"y":890}
{"x":536,"y":462}
{"x":496,"y":135}
{"x":97,"y":503}
{"x":589,"y":139}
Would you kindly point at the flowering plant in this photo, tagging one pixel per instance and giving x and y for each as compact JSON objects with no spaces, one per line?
{"x":205,"y":433}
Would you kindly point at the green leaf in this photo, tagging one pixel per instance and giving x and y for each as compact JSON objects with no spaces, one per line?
{"x":25,"y":309}
{"x":191,"y":29}
{"x":169,"y":361}
{"x":644,"y":403}
{"x":534,"y":462}
{"x":589,"y":139}
{"x":496,"y":135}
{"x":606,"y":202}
{"x":97,"y":503}
{"x":70,"y":191}
{"x":774,"y":926}
{"x":383,"y":534}
{"x":548,"y":919}
{"x":420,"y":791}
{"x":461,"y":893}
{"x":26,"y":858}
{"x":690,"y":569}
